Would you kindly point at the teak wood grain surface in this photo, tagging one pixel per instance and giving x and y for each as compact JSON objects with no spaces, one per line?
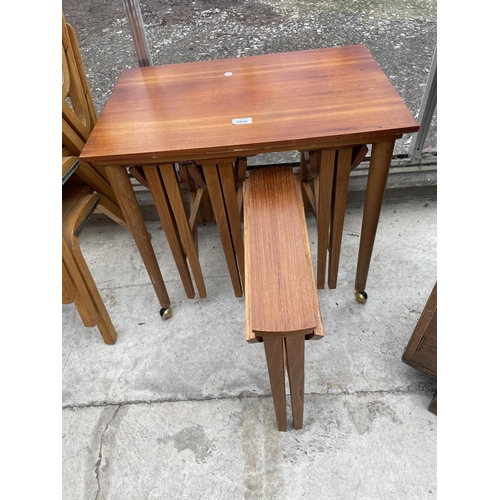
{"x":281,"y":301}
{"x":319,"y":101}
{"x":283,"y":293}
{"x":313,"y":98}
{"x":421,"y":351}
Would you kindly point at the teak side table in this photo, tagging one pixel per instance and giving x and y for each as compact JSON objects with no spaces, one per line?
{"x":326,"y":100}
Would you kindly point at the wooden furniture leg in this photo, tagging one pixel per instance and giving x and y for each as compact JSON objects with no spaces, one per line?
{"x":239,"y":179}
{"x":233,"y":215}
{"x":179,"y":211}
{"x":195,"y":201}
{"x":192,"y":179}
{"x":95,"y":180}
{"x":212,"y":180}
{"x":378,"y":172}
{"x":94,"y":312}
{"x":160,"y":199}
{"x":295,"y":353}
{"x":326,"y":174}
{"x":108,"y":201}
{"x":275,"y":357}
{"x":340,"y":186}
{"x":358,"y":155}
{"x":207,"y":206}
{"x":281,"y":299}
{"x":71,"y":292}
{"x":121,"y":185}
{"x":306,"y":191}
{"x":98,"y":312}
{"x":304,"y":180}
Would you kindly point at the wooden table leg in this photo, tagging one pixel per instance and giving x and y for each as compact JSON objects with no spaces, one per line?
{"x":169,"y":226}
{"x":233,"y":214}
{"x":340,"y":188}
{"x":212,"y":180}
{"x":294,"y":348}
{"x":275,"y":352}
{"x":79,"y":272}
{"x":120,"y":182}
{"x":207,"y":206}
{"x":326,"y":173}
{"x":378,"y":172}
{"x":308,"y":195}
{"x":175,"y":198}
{"x":304,"y":179}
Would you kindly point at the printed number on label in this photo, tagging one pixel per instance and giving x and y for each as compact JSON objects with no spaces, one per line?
{"x":241,"y":121}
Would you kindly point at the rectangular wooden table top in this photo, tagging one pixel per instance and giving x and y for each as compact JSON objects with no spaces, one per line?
{"x":283,"y":299}
{"x":233,"y":107}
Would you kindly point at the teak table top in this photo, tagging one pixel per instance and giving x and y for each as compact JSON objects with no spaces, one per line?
{"x":283,"y":299}
{"x":295,"y":100}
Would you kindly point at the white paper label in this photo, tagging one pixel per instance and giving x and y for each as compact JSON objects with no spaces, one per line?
{"x":241,"y":121}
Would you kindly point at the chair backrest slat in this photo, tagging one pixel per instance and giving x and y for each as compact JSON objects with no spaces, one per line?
{"x":72,"y":86}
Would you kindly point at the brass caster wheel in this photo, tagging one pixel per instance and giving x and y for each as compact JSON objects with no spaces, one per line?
{"x":165,"y":312}
{"x":361,"y":297}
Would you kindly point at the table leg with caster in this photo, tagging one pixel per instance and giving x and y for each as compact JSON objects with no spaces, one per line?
{"x":120,"y":182}
{"x":378,"y":172}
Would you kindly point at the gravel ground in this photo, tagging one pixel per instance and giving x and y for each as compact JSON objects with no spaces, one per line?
{"x":401,"y":35}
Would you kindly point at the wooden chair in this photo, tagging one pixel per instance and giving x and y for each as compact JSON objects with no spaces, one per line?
{"x":78,"y":202}
{"x":108,"y":204}
{"x":78,"y":120}
{"x":81,"y":115}
{"x":281,"y":299}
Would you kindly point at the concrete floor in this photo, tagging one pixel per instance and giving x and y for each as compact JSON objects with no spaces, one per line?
{"x":182,"y":409}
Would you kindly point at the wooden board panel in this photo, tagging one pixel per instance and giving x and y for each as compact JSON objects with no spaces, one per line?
{"x":421,"y":351}
{"x":283,"y":290}
{"x":294,"y":99}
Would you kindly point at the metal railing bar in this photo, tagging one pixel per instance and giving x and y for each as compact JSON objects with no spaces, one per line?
{"x":134,"y":16}
{"x":427,"y":107}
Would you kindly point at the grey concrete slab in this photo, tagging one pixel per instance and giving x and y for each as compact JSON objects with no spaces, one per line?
{"x":368,"y":446}
{"x":192,"y":397}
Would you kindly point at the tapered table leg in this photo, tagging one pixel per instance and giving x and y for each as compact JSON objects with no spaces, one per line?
{"x":212,"y":180}
{"x":340,"y":189}
{"x":304,"y":178}
{"x":294,"y":348}
{"x":233,"y":214}
{"x":179,"y":212}
{"x":326,"y":173}
{"x":275,"y":352}
{"x":120,"y":182}
{"x":94,"y":308}
{"x":169,"y":226}
{"x":378,"y":172}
